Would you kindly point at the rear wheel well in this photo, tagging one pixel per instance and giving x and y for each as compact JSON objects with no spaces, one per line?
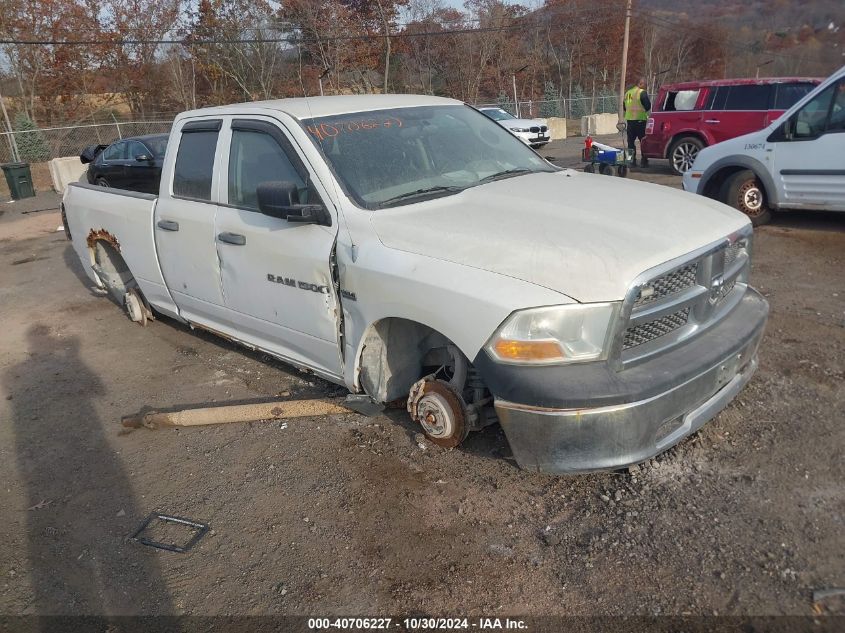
{"x":397,"y":352}
{"x":681,"y":135}
{"x":115,"y":276}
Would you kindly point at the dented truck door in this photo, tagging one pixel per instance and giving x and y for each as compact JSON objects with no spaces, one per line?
{"x":276,"y":274}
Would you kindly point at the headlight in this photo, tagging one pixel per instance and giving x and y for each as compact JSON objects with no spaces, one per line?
{"x":555,"y":334}
{"x":520,"y":129}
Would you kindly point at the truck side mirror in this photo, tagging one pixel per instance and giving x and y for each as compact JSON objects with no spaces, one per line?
{"x":280,"y":199}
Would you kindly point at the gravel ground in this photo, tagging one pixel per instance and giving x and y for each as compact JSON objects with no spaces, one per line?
{"x":353,"y":515}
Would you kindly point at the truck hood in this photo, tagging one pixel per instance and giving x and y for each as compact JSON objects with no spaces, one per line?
{"x":586,"y":236}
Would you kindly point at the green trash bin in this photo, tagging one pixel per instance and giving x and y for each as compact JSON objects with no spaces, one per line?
{"x":19,"y":179}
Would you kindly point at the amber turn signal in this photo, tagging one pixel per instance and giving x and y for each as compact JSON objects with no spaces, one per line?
{"x":528,"y":350}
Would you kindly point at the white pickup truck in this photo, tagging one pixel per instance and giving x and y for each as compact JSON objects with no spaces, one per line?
{"x":409,"y":248}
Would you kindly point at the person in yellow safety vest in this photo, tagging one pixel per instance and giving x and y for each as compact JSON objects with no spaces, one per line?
{"x":636,"y":105}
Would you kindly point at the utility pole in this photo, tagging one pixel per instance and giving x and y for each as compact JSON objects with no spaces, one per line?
{"x":624,"y":62}
{"x":13,"y":145}
{"x":515,"y":98}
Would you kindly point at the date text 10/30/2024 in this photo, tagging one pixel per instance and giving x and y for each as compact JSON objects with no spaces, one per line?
{"x":415,"y":624}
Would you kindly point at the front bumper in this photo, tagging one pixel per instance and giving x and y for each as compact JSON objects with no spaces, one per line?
{"x":532,"y":138}
{"x":689,"y":183}
{"x":591,"y":438}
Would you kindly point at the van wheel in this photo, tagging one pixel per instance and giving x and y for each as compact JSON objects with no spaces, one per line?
{"x":744,"y":191}
{"x":102,"y":182}
{"x":440,"y":411}
{"x":683,"y":153}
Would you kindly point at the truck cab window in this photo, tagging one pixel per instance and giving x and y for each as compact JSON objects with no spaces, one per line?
{"x":195,"y":164}
{"x":255,"y":158}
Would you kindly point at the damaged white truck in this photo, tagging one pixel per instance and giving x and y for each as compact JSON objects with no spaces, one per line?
{"x":409,"y":248}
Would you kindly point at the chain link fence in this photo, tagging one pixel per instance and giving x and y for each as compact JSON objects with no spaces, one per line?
{"x":43,"y":144}
{"x":564,"y":108}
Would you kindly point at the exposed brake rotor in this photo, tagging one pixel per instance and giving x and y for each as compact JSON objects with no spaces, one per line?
{"x":440,"y":411}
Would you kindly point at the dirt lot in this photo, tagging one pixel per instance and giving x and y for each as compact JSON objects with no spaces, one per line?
{"x":354,"y":515}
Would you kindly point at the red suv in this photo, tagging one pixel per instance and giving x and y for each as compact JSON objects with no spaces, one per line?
{"x":689,"y":116}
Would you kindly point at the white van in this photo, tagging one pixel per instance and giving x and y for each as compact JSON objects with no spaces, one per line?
{"x":798,"y":162}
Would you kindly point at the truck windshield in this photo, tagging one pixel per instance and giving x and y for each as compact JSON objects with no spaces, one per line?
{"x":388,"y":158}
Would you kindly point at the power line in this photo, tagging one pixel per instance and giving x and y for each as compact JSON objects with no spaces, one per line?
{"x":517,"y":23}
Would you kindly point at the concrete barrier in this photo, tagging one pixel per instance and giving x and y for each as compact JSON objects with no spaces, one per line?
{"x":65,"y":170}
{"x":557,"y":128}
{"x":597,"y":124}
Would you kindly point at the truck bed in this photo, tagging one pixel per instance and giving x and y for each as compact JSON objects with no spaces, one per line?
{"x":124,"y":220}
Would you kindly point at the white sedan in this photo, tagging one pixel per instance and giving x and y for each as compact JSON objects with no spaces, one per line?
{"x":533,"y":132}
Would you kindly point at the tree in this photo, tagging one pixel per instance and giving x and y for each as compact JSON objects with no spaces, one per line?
{"x":505,"y":102}
{"x":578,"y":103}
{"x":551,"y":102}
{"x":32,"y":146}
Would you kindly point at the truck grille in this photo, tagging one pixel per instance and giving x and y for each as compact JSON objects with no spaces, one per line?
{"x":646,"y":332}
{"x":731,"y":253}
{"x":667,"y":284}
{"x":683,"y":300}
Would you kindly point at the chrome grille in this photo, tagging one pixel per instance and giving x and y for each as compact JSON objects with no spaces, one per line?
{"x":682,"y":298}
{"x":646,"y":332}
{"x":725,"y":290}
{"x":732,"y":252}
{"x":668,"y":284}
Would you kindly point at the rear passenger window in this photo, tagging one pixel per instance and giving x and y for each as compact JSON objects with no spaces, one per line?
{"x":681,"y":101}
{"x":788,"y":95}
{"x":748,"y":97}
{"x":255,"y":158}
{"x":195,"y":162}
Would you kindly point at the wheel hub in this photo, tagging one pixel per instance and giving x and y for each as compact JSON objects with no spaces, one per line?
{"x":436,"y":416}
{"x":684,"y":156}
{"x":752,"y":197}
{"x":439,"y":410}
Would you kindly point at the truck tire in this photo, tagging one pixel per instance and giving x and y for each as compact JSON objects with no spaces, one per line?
{"x":744,"y":192}
{"x":683,"y":152}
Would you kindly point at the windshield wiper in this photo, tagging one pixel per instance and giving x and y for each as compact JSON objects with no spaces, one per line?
{"x":421,"y":193}
{"x":506,"y":174}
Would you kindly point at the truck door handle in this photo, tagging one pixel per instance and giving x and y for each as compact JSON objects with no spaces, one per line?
{"x":712,"y":121}
{"x":167,"y":225}
{"x":232,"y":238}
